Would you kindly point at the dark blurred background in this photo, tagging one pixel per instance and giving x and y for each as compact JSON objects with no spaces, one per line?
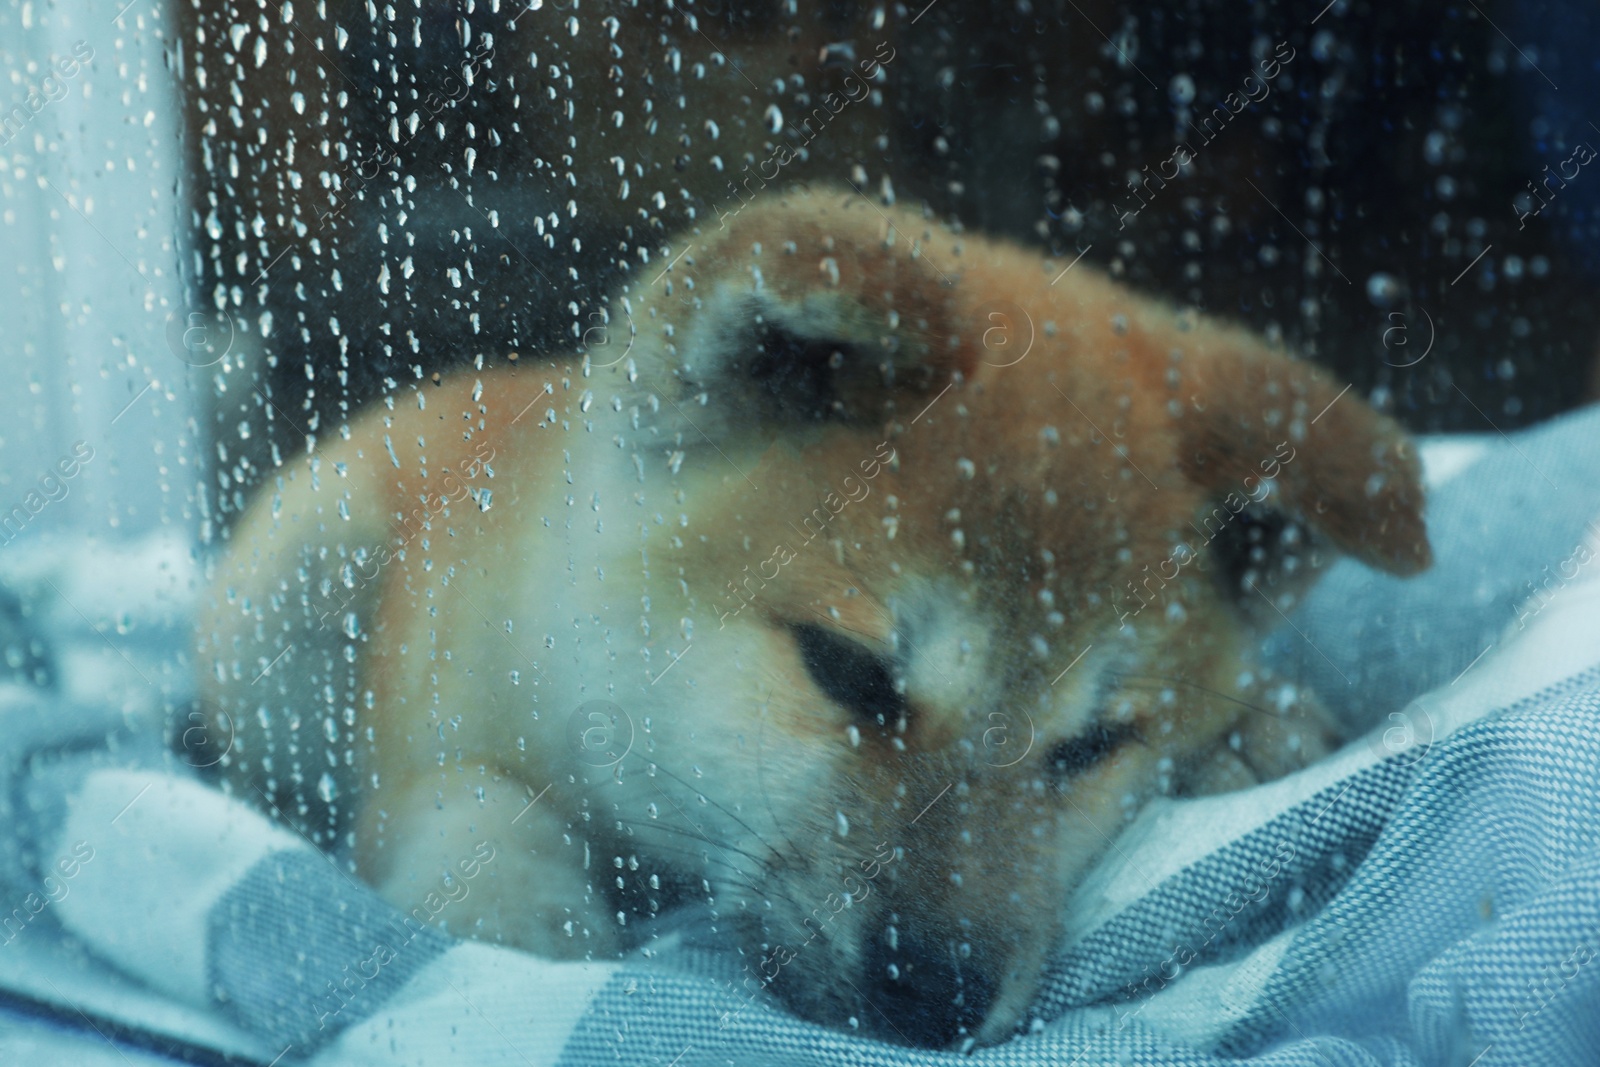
{"x":384,"y":191}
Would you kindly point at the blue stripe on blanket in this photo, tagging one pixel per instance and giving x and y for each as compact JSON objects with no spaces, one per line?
{"x":1262,"y":884}
{"x":298,"y":949}
{"x":1474,"y":922}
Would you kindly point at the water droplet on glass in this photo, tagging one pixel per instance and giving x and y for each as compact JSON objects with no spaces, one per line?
{"x":1383,"y":289}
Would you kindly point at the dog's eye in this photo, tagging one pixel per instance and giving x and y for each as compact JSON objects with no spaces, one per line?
{"x":1077,"y":754}
{"x":851,"y":676}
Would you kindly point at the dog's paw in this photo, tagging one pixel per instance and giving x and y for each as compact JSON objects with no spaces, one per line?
{"x":1264,"y":745}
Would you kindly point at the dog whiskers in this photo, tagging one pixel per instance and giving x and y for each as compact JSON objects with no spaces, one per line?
{"x":1156,"y":679}
{"x":744,"y":879}
{"x":761,"y":782}
{"x":697,"y":836}
{"x":724,"y":809}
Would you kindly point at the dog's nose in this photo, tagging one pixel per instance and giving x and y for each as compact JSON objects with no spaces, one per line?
{"x":925,"y":993}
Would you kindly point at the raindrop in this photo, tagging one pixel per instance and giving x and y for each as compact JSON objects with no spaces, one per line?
{"x":1383,"y":289}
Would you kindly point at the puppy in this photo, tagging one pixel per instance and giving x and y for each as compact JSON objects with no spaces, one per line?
{"x":859,"y":584}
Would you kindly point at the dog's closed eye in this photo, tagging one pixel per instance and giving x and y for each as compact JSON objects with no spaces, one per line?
{"x":849,"y":675}
{"x":1077,"y":754}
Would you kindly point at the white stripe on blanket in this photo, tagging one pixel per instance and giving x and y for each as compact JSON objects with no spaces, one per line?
{"x":165,"y":850}
{"x":476,"y":1004}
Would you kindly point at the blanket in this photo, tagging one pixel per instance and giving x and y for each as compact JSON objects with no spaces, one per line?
{"x":1428,"y":895}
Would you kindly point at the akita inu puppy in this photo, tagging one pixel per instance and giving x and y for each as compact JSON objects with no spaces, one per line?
{"x":860,"y":585}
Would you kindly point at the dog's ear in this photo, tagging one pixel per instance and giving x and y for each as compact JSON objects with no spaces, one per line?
{"x":806,"y":308}
{"x":1252,"y":418}
{"x":838,"y":353}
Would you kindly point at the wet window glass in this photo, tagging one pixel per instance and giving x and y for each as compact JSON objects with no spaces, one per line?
{"x":799,"y":532}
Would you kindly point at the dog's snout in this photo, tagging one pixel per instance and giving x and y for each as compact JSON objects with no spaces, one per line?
{"x":925,"y":990}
